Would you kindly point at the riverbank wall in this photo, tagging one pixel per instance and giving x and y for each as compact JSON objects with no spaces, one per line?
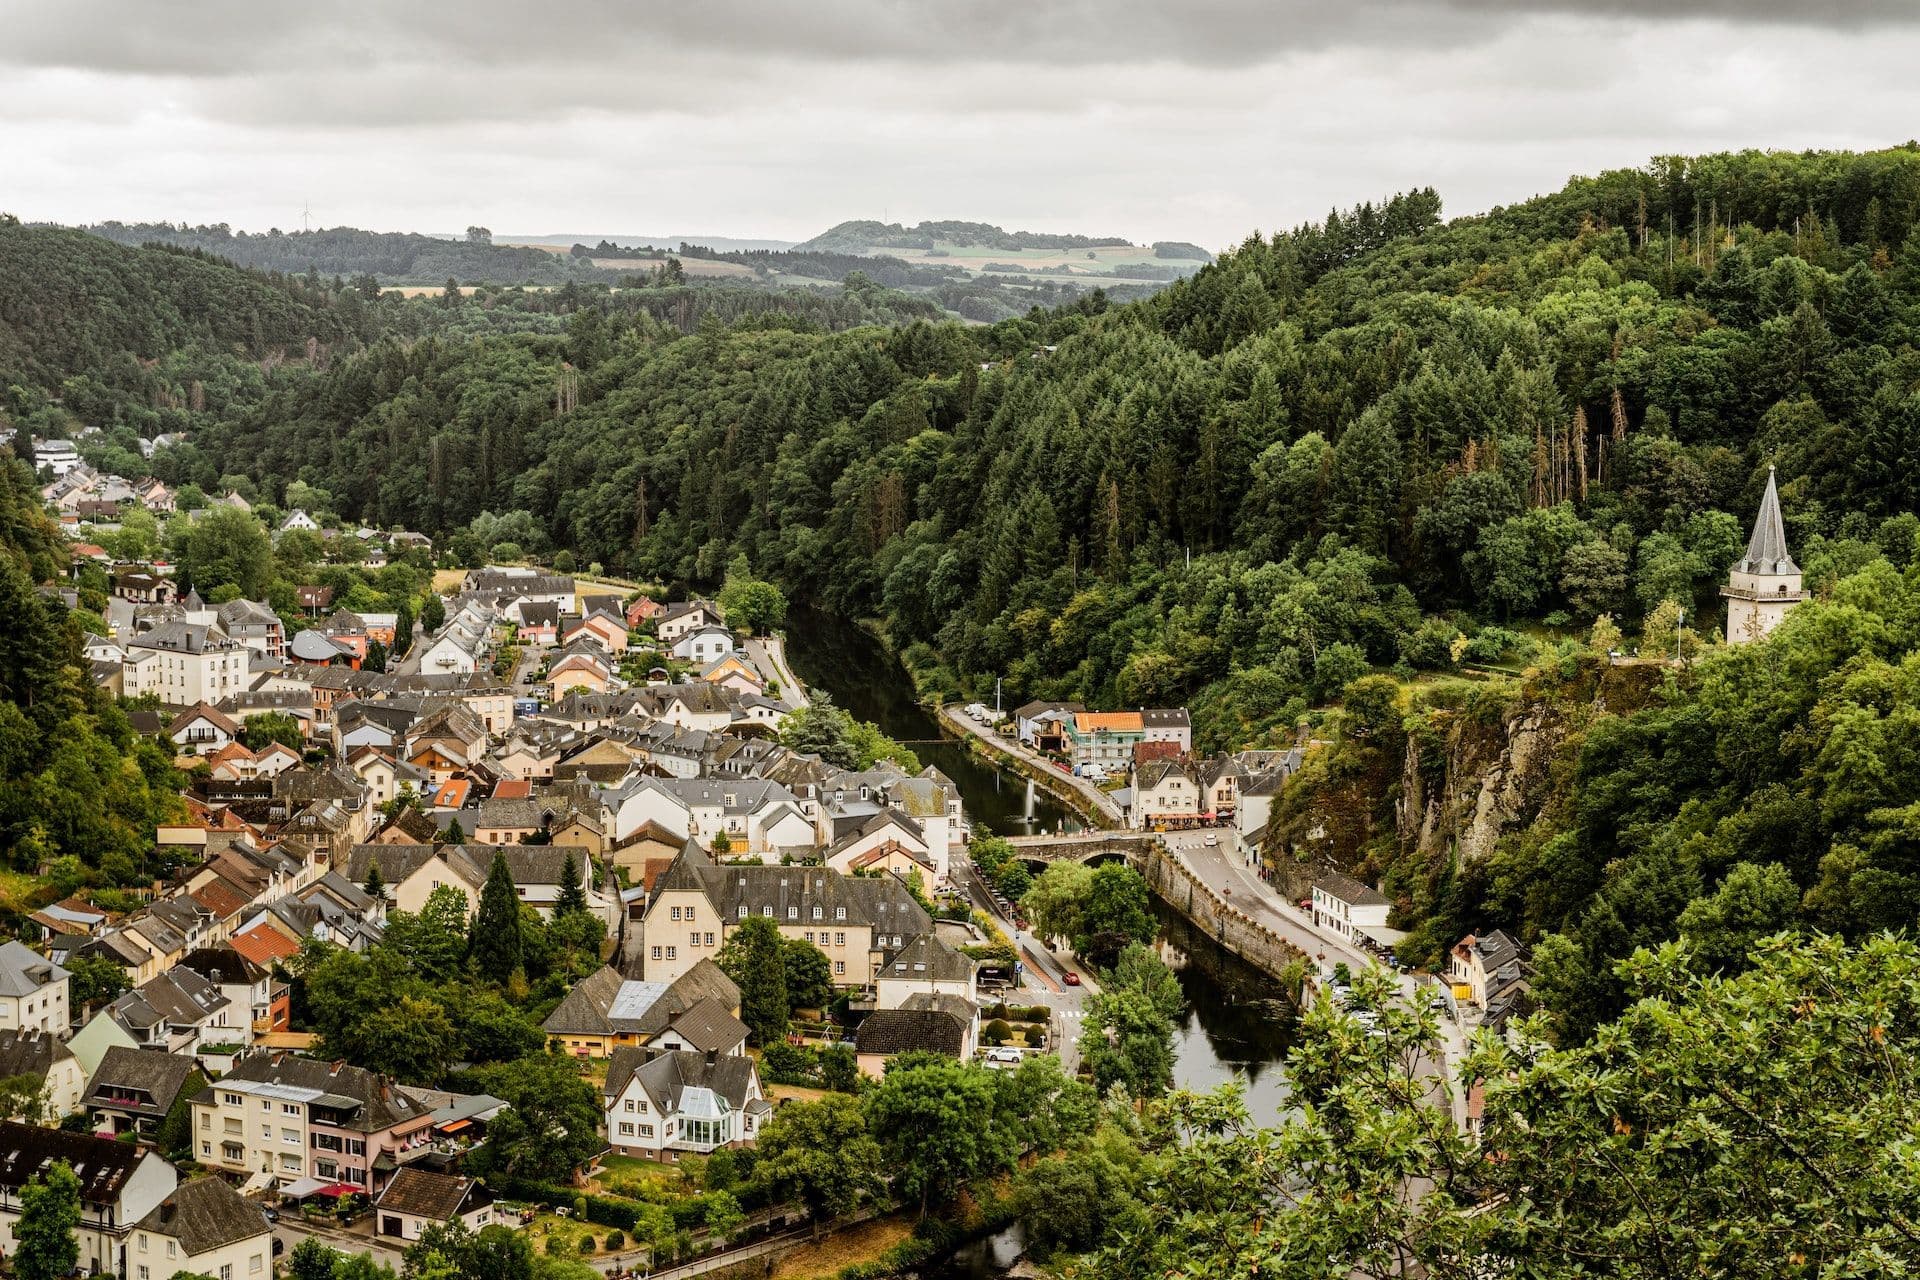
{"x":1056,"y":784}
{"x":1197,"y":903}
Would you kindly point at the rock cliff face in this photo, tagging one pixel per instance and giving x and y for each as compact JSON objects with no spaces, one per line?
{"x":1468,"y":780}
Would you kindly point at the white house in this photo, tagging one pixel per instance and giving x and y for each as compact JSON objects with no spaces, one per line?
{"x":419,"y":1198}
{"x":925,"y":966}
{"x":1348,"y":907}
{"x":681,"y":1102}
{"x":706,"y":645}
{"x":119,"y":1184}
{"x":33,"y":991}
{"x":185,"y":664}
{"x":203,"y":1228}
{"x":299,"y":519}
{"x":202,"y":730}
{"x":45,"y":1057}
{"x":685,"y":618}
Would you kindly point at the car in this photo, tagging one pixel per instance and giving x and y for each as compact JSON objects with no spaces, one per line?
{"x":1073,"y":979}
{"x":1211,"y":841}
{"x":272,"y":1215}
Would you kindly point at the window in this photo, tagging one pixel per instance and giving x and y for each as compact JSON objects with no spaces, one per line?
{"x":143,"y":1242}
{"x":741,"y":912}
{"x":226,"y":1271}
{"x":670,"y":953}
{"x":793,"y":913}
{"x":818,"y":913}
{"x":266,"y":1133}
{"x":839,"y":939}
{"x":232,"y":1099}
{"x":839,"y":966}
{"x":766,"y":911}
{"x":290,"y":1135}
{"x":206,"y":1119}
{"x":809,"y":935}
{"x":289,"y":1109}
{"x":673,"y":913}
{"x":266,"y":1106}
{"x":693,"y":939}
{"x":144,"y":1273}
{"x":255,"y":1265}
{"x":646,"y":1131}
{"x":839,"y":913}
{"x":173,"y":1249}
{"x":709,"y":939}
{"x":656,"y":953}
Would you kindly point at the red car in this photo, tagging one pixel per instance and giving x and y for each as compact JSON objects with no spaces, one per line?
{"x":1073,"y":979}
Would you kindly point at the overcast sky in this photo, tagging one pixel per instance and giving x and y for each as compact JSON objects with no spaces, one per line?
{"x":1197,"y":121}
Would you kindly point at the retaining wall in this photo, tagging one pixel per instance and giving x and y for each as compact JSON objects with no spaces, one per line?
{"x":1213,"y":915}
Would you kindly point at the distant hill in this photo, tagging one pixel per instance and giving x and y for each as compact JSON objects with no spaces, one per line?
{"x":720,"y":244}
{"x":393,"y":257}
{"x":861,"y":236}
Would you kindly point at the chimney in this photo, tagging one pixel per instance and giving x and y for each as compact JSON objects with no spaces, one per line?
{"x":713,"y":1057}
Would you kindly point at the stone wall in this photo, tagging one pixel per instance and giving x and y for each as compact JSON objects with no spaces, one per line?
{"x":1214,"y":916}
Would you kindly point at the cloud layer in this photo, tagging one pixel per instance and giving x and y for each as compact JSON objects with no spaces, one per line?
{"x":1197,"y":121}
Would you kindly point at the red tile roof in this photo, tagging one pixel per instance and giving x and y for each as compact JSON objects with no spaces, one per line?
{"x":263,"y":945}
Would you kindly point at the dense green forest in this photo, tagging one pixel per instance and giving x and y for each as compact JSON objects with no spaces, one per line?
{"x":395,"y":257}
{"x":1379,"y":443}
{"x":858,"y":235}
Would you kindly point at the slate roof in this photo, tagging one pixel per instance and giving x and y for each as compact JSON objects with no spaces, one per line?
{"x":665,"y":1077}
{"x":203,"y":711}
{"x":438,"y":1197}
{"x":203,"y":1215}
{"x":29,"y":1052}
{"x":376,"y":1102}
{"x":1348,"y":890}
{"x":892,"y":1031}
{"x":103,"y":1165}
{"x":925,"y":959}
{"x":23,"y":971}
{"x":710,"y":1027}
{"x":1767,"y":546}
{"x":157,"y":1076}
{"x":603,"y":1003}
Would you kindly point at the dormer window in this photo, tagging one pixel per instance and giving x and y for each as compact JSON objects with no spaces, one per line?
{"x":818,"y":913}
{"x":793,"y":913}
{"x":742,"y":913}
{"x":839,"y":913}
{"x":767,"y":912}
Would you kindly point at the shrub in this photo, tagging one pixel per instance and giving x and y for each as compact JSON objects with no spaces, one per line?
{"x":996,"y":1032}
{"x":580,"y":1206}
{"x":586,"y":1243}
{"x":556,"y":1245}
{"x":616,"y":1240}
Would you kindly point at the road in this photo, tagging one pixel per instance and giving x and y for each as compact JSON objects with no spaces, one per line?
{"x":1222,"y":868}
{"x":1107,"y":813}
{"x":769,"y":655}
{"x":1045,"y":975}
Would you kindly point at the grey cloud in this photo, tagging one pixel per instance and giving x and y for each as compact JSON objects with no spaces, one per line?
{"x":222,"y":38}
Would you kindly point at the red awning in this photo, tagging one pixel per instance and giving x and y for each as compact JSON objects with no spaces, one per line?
{"x":338,"y":1189}
{"x":455,"y":1126}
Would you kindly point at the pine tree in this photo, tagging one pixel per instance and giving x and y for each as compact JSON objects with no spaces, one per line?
{"x":375,"y":887}
{"x":495,"y":945}
{"x":573,"y":897}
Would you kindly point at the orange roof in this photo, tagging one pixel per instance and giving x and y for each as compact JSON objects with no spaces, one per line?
{"x":1095,"y":721}
{"x":232,"y":751}
{"x":264,"y":945}
{"x":452,"y":793}
{"x":219,"y":898}
{"x":513,"y":789}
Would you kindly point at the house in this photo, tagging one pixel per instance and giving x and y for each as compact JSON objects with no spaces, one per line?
{"x":185,"y":664}
{"x":707,"y":644}
{"x":854,"y":920}
{"x":1041,"y":725}
{"x":142,"y":587}
{"x":298,"y":519}
{"x":1347,"y":907}
{"x":119,"y":1184}
{"x":178,"y":1011}
{"x":313,"y":600}
{"x":202,"y":1228}
{"x":250,"y":986}
{"x":411,"y":872}
{"x":329,"y":1121}
{"x":757,"y":816}
{"x":604,"y":1012}
{"x":44,"y":1056}
{"x":1166,"y":793}
{"x":925,"y":966}
{"x":584,"y":667}
{"x":1170,"y":725}
{"x":314,"y":647}
{"x":202,"y":731}
{"x":1485,"y":967}
{"x":1105,"y":738}
{"x":662,"y":1107}
{"x":598,"y":628}
{"x":643,"y":611}
{"x":33,"y":991}
{"x":898,"y":840}
{"x":735,"y":673}
{"x":256,"y":626}
{"x":539,"y":622}
{"x":647,"y":844}
{"x":419,"y":1198}
{"x":679,"y":620}
{"x":939,"y":1023}
{"x":132,"y":1090}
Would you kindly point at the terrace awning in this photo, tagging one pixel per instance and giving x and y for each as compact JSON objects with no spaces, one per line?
{"x":301,"y":1189}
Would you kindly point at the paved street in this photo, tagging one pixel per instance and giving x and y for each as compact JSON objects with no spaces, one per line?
{"x":1102,"y":802}
{"x":769,"y":655}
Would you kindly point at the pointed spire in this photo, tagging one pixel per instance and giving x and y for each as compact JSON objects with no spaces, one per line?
{"x":1767,"y":547}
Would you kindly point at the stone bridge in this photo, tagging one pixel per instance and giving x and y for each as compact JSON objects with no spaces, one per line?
{"x":1083,"y":846}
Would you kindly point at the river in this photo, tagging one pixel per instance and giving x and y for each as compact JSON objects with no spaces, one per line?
{"x":1236,"y":1024}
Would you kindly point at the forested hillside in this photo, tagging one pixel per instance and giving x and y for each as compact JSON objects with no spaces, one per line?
{"x":395,"y":257}
{"x":1379,"y":443}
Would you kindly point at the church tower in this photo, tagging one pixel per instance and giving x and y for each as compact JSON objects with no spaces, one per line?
{"x":1764,"y":583}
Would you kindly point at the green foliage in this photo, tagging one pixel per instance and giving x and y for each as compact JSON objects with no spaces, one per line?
{"x":46,"y":1237}
{"x":227,"y":546}
{"x":273,"y":726}
{"x":808,"y":975}
{"x":933,"y":1117}
{"x":1128,"y":1034}
{"x":445,"y":1251}
{"x":751,"y":604}
{"x":825,"y":730}
{"x":93,"y":980}
{"x":820,"y":1154}
{"x":755,"y":958}
{"x":496,"y":945}
{"x":551,"y":1124}
{"x":1745,"y":1126}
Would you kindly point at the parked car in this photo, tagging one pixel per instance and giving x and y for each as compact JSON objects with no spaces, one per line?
{"x":1073,"y":979}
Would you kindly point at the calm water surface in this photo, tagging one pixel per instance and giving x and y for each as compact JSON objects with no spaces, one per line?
{"x":1237,"y":1025}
